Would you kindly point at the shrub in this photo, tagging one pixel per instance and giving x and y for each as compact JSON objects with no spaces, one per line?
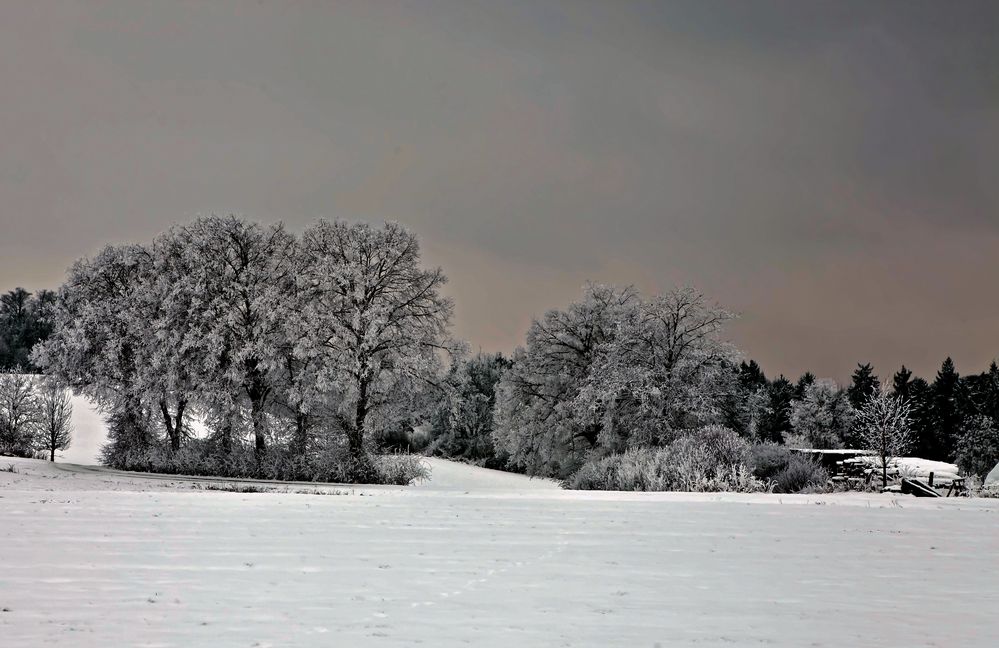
{"x":802,"y":473}
{"x":786,"y":470}
{"x":712,"y":459}
{"x":202,"y":457}
{"x":401,"y":469}
{"x":597,"y":475}
{"x":769,"y":459}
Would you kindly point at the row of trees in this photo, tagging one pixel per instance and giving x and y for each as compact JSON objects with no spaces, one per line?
{"x":950,"y":419}
{"x":291,"y":346}
{"x":25,"y":320}
{"x":614,"y":372}
{"x":336,"y":341}
{"x":35,"y":416}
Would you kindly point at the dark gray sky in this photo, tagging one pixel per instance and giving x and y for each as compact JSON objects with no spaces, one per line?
{"x":830,"y":170}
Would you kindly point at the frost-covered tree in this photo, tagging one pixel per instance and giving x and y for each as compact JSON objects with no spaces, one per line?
{"x":804,"y":381}
{"x":463,"y":423}
{"x":612,"y":372}
{"x":978,"y":446}
{"x":101,"y":340}
{"x":55,"y":414}
{"x":883,"y":422}
{"x":823,"y":416}
{"x":375,"y":321}
{"x":234,"y":283}
{"x":24,"y":321}
{"x":667,"y":368}
{"x":538,"y":423}
{"x":772,"y":421}
{"x":19,"y":414}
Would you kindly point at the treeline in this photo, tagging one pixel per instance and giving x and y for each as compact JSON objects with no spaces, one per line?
{"x":25,"y":320}
{"x":227,"y":347}
{"x":296,"y":352}
{"x":616,"y":378}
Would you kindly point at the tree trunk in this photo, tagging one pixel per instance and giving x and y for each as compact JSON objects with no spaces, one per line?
{"x":171,"y":429}
{"x":178,"y":426}
{"x":227,"y":435}
{"x":356,"y":437}
{"x":257,"y":416}
{"x":52,"y":452}
{"x":884,"y":472}
{"x":301,"y":433}
{"x":256,"y":390}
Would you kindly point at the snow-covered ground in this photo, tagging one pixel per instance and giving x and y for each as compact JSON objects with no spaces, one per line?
{"x":473,"y":557}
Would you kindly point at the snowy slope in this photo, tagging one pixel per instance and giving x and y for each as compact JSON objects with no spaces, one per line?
{"x":96,"y":559}
{"x":453,"y":475}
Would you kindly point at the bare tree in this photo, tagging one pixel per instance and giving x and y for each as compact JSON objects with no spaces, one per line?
{"x":18,"y":414}
{"x":55,"y":426}
{"x":883,"y":422}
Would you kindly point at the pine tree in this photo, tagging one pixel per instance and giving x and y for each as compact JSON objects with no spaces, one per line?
{"x":902,"y":383}
{"x":865,"y":384}
{"x":945,"y":415}
{"x":806,"y":379}
{"x":990,"y":392}
{"x":775,"y":423}
{"x":978,"y":446}
{"x":751,"y":376}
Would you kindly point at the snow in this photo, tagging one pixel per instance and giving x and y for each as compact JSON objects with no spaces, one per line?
{"x":914,"y":468}
{"x":99,"y":558}
{"x":992,"y":479}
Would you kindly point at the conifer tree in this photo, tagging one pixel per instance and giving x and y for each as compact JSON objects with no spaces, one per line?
{"x":945,"y":415}
{"x":776,"y":421}
{"x":902,"y":383}
{"x":865,"y":384}
{"x":806,"y":379}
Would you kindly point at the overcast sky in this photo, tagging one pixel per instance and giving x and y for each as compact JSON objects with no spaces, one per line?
{"x":830,"y":170}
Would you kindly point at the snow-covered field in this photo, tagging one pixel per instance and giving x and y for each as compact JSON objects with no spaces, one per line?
{"x":474,"y":557}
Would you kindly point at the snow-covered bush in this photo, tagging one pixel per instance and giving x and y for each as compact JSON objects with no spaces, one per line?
{"x":787,"y":471}
{"x":202,"y":457}
{"x":801,"y":474}
{"x":401,"y":469}
{"x":712,"y":459}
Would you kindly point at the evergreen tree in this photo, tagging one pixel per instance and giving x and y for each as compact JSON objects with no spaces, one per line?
{"x":751,"y":376}
{"x":982,"y":393}
{"x":865,"y":384}
{"x":824,"y":417}
{"x":902,"y":383}
{"x":775,"y":422}
{"x":990,"y":393}
{"x":921,"y":401}
{"x":25,"y":320}
{"x":806,"y":379}
{"x":946,"y":418}
{"x":977,"y":449}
